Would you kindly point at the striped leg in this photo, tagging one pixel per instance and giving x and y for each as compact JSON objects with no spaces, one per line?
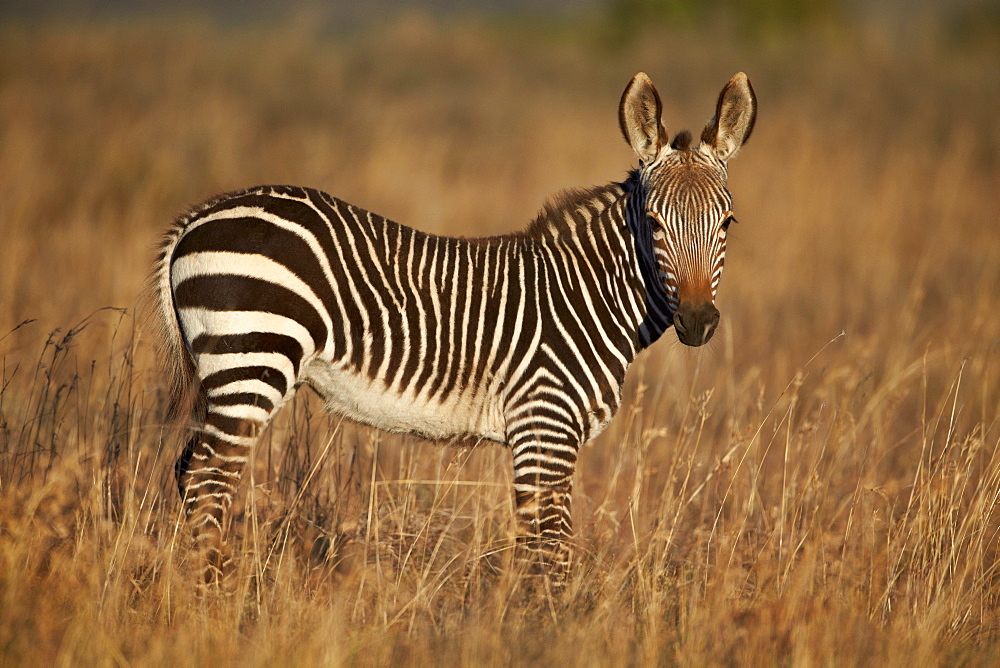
{"x":240,"y":404}
{"x":208,"y":474}
{"x":543,"y":482}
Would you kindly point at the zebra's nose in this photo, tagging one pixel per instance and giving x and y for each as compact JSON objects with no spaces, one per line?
{"x":695,"y":323}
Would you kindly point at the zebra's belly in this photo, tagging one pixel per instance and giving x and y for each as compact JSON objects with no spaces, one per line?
{"x":363,"y":400}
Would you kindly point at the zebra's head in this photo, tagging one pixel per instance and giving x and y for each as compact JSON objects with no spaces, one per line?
{"x":687,"y":205}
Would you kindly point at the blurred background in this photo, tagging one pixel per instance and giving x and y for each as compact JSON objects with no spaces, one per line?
{"x":876,"y":130}
{"x":860,"y":306}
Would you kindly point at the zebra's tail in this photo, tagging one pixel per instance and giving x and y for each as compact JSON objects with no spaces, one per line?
{"x":175,"y":359}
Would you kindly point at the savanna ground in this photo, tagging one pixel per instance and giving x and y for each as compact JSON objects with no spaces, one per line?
{"x":819,"y":485}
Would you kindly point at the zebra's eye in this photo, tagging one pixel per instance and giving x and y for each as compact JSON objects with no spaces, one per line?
{"x":728,"y":221}
{"x":658,"y":225}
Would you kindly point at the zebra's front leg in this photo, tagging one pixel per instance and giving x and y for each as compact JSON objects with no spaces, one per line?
{"x":208,"y":475}
{"x":543,"y":483}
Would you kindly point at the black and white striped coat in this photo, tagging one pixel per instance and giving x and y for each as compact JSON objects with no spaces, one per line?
{"x":523,"y":339}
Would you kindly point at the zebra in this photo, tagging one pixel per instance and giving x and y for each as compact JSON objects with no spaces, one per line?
{"x":522,"y":339}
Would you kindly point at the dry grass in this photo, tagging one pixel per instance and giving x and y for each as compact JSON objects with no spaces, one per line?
{"x":791,"y":495}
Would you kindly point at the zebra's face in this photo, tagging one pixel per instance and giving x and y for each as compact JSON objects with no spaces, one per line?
{"x":689,"y":212}
{"x":686,"y":203}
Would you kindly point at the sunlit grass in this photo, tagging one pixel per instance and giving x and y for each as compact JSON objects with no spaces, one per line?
{"x":819,"y":485}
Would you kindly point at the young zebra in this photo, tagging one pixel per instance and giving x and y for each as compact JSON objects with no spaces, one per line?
{"x":522,"y":339}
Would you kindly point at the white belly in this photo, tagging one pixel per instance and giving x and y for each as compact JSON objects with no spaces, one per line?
{"x":363,"y":400}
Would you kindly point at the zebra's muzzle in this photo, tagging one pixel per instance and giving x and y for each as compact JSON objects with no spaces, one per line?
{"x":695,"y":323}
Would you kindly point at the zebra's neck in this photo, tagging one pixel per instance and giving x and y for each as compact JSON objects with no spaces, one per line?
{"x":606,"y":231}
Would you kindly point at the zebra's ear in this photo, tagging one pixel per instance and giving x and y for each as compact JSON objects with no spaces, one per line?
{"x":639,"y":118}
{"x":735,"y":115}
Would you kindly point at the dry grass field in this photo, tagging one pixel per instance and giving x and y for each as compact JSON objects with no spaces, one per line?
{"x":818,"y":486}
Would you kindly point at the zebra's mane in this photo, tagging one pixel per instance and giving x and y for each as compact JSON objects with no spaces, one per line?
{"x":570,"y":209}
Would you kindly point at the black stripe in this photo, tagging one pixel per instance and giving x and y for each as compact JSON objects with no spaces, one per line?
{"x":489,"y":312}
{"x":572,"y":431}
{"x":418,"y":242}
{"x":227,"y":292}
{"x":431,"y":270}
{"x":400,"y":242}
{"x":266,"y":374}
{"x":252,"y":342}
{"x":448,"y":324}
{"x":468,"y":298}
{"x":547,"y":476}
{"x":535,"y":284}
{"x":478,"y":280}
{"x":232,"y":426}
{"x":242,"y":399}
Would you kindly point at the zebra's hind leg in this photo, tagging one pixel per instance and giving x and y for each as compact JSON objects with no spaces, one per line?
{"x":543,"y":485}
{"x":208,"y":474}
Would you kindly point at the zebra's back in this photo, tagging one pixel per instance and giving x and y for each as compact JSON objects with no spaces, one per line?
{"x":277,"y":286}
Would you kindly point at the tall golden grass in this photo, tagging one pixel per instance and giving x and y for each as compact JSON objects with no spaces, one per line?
{"x":820,"y":485}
